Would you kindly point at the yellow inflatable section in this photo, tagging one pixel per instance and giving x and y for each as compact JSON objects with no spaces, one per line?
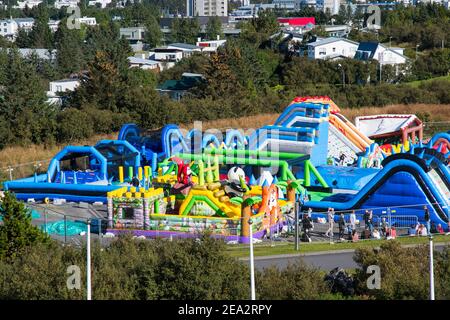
{"x":216,"y":199}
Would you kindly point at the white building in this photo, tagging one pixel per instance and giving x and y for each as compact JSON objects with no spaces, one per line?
{"x":210,"y":45}
{"x":330,"y":5}
{"x":185,"y":48}
{"x":66,"y":3}
{"x":332,"y":48}
{"x":27,"y":3}
{"x":44,"y":54}
{"x":377,"y":51}
{"x":166,"y":57}
{"x":207,"y":8}
{"x":100,"y":3}
{"x":135,"y":37}
{"x":60,"y":86}
{"x":53,"y":25}
{"x":90,"y":21}
{"x":144,"y":64}
{"x":10,"y":27}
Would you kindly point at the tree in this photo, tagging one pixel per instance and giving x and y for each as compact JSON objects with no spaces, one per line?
{"x":404,"y":271}
{"x":23,"y":39}
{"x":153,"y":34}
{"x":258,"y":30}
{"x":41,"y":35}
{"x":214,"y":28}
{"x":69,"y":46}
{"x":185,"y":30}
{"x":17,"y":233}
{"x":23,"y":105}
{"x":104,"y":84}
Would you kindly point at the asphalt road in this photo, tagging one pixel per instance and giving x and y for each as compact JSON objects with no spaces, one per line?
{"x":323,"y":260}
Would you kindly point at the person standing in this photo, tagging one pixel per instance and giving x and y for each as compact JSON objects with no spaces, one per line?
{"x":307,"y":226}
{"x":426,"y":217}
{"x":384,"y":227}
{"x":341,"y":224}
{"x":370,"y":220}
{"x":366,"y":219}
{"x":329,"y":232}
{"x":353,"y":220}
{"x":342,"y":159}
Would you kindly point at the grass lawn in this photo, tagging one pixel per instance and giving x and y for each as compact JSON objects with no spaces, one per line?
{"x":242,"y":250}
{"x":415,"y":84}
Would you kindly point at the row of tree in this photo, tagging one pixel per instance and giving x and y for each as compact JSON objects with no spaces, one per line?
{"x":32,"y":266}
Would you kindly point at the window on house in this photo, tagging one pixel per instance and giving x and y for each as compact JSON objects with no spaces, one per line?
{"x":334,"y":49}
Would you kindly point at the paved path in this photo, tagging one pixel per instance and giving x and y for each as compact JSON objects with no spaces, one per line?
{"x":326,"y":260}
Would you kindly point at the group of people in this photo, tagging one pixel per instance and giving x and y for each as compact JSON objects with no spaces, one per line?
{"x":382,"y":230}
{"x":349,"y":229}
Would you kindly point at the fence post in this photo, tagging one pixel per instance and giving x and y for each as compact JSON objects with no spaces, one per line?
{"x":45,"y":221}
{"x":99,"y":230}
{"x":389,"y":217}
{"x":65,"y":229}
{"x":10,"y":169}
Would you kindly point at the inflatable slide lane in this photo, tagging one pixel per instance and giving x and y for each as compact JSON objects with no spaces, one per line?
{"x":408,"y":181}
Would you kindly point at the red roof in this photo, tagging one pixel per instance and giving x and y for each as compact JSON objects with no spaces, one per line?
{"x":297,"y":21}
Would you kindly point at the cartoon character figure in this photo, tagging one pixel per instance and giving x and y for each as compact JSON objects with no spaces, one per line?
{"x":184,"y":171}
{"x":236,"y":186}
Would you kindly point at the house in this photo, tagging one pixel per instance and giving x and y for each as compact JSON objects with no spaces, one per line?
{"x":43,"y":54}
{"x":339,"y":31}
{"x":10,"y":27}
{"x":332,"y":48}
{"x":66,"y":3}
{"x":167,"y":57}
{"x":56,"y":88}
{"x":210,"y":45}
{"x":53,"y":25}
{"x":144,"y":64}
{"x":176,"y":89}
{"x":186,"y":48}
{"x":27,"y":4}
{"x":297,"y":21}
{"x":377,"y":51}
{"x":287,"y":41}
{"x":90,"y":21}
{"x":165,"y":54}
{"x":100,"y":3}
{"x":135,"y":37}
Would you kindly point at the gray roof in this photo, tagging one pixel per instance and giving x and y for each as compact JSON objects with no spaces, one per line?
{"x":23,"y":19}
{"x":137,"y":60}
{"x":184,"y":46}
{"x":44,"y":54}
{"x":330,"y":40}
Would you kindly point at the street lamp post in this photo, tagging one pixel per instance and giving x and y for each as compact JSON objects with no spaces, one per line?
{"x":417,"y":46}
{"x":431,"y":268}
{"x":88,"y":259}
{"x":252,"y":263}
